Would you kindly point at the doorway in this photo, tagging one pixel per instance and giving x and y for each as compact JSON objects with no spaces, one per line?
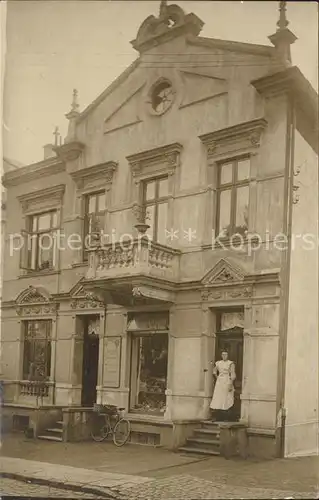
{"x":229,"y":337}
{"x":90,"y":359}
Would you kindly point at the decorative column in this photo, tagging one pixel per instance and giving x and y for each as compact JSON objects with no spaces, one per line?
{"x":101,"y":332}
{"x":208,"y":350}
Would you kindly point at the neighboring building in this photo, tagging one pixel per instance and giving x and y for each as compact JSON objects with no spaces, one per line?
{"x":8,"y":166}
{"x":197,"y":137}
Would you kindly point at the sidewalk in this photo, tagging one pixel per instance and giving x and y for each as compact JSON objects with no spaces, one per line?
{"x":73,"y":478}
{"x":146,"y":473}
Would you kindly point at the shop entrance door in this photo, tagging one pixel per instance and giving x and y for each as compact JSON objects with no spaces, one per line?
{"x":232,"y":341}
{"x":90,"y":361}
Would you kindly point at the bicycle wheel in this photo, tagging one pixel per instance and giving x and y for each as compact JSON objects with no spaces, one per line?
{"x":101,"y":428}
{"x":121,"y":432}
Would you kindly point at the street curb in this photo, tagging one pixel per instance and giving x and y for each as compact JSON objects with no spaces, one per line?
{"x":62,"y":486}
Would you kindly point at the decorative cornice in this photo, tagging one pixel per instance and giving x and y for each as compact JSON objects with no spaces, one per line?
{"x":86,"y":303}
{"x":233,"y":46}
{"x":102,"y":171}
{"x":246,"y":134}
{"x":32,"y":172}
{"x":69,"y":151}
{"x":51,"y":195}
{"x":292,"y":82}
{"x":240,"y":292}
{"x":37,"y":310}
{"x":166,"y":155}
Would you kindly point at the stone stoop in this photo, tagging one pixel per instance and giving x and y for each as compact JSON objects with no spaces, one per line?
{"x":204,"y":441}
{"x":54,"y":433}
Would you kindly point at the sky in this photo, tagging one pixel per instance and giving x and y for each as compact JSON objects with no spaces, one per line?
{"x":53,"y":46}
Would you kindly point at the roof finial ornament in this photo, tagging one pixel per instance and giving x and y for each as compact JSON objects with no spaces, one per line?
{"x":163,"y":8}
{"x":56,"y":134}
{"x":283,"y":37}
{"x":75,"y":105}
{"x":282,"y":21}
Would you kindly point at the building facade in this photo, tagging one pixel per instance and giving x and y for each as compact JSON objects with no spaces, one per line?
{"x":161,"y":231}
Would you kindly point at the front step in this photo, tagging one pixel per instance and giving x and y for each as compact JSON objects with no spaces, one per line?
{"x":50,"y":438}
{"x":204,"y":441}
{"x":198,"y":451}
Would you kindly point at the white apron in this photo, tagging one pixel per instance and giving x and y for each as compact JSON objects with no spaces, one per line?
{"x":223,"y":398}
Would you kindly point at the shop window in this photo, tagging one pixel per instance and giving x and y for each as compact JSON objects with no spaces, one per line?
{"x":149,"y":373}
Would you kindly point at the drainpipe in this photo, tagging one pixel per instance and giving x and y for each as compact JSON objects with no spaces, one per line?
{"x":281,"y":411}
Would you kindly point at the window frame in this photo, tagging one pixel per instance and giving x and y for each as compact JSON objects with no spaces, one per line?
{"x":233,"y":187}
{"x":86,"y":216}
{"x":156,"y":201}
{"x":33,"y":237}
{"x":29,"y":347}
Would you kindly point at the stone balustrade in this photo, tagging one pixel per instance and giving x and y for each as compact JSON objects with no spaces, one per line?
{"x":127,"y":258}
{"x":34,"y":388}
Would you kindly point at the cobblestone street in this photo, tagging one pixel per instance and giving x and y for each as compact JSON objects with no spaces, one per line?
{"x":178,"y":487}
{"x":185,"y":487}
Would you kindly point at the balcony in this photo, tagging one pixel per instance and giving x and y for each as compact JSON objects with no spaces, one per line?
{"x":139,"y":268}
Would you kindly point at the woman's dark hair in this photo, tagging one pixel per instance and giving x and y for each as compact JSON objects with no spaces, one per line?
{"x":224,"y":350}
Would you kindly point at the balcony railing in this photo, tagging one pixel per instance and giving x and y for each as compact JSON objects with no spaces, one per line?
{"x":138,"y":257}
{"x":34,"y":388}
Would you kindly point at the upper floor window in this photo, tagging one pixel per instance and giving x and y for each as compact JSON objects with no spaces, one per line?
{"x":155,"y":200}
{"x":233,"y":197}
{"x":39,"y":249}
{"x":37,"y":350}
{"x":94,"y":215}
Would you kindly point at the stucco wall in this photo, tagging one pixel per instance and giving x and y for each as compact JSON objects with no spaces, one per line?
{"x":301,"y":393}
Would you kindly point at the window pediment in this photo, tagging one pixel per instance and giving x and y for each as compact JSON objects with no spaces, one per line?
{"x":35,"y":301}
{"x":100,"y":174}
{"x":245,"y":136}
{"x":44,"y":199}
{"x":162,"y":160}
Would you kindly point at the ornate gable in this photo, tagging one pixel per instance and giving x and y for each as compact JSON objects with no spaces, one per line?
{"x":83,"y":299}
{"x":171,"y":23}
{"x":223,"y":273}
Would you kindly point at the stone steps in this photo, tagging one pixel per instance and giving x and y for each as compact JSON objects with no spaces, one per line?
{"x":54,"y":433}
{"x":204,"y":441}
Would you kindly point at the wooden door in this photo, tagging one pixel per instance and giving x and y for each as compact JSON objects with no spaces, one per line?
{"x":232,"y":341}
{"x":90,"y":369}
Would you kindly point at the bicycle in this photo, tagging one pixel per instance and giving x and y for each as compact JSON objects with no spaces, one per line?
{"x":102,"y":424}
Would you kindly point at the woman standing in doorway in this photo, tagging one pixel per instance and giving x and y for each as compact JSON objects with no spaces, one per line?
{"x":223,"y":397}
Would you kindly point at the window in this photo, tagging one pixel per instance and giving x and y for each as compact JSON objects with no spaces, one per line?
{"x":149,"y":373}
{"x":39,"y":249}
{"x":156,"y":207}
{"x":233,"y":197}
{"x":94,"y":208}
{"x":37,"y":350}
{"x":162,"y":96}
